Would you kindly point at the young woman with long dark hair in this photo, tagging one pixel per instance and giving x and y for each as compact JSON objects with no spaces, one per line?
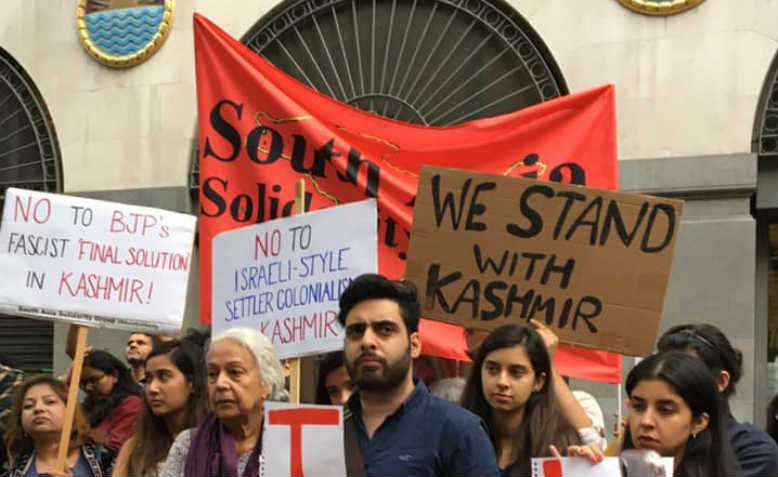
{"x":511,"y":387}
{"x":756,"y":452}
{"x":675,"y":410}
{"x":174,"y":400}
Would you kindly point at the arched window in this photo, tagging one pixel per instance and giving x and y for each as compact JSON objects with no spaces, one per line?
{"x":29,"y":159}
{"x":764,"y":142}
{"x":435,"y":62}
{"x":765,"y":136}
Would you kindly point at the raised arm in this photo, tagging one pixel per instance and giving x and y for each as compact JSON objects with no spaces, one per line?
{"x":568,"y":404}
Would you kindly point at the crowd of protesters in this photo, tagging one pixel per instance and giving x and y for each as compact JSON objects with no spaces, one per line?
{"x":186,"y":406}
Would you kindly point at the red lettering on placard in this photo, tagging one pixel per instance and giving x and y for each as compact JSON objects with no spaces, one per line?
{"x":270,"y":243}
{"x":102,"y":287}
{"x":41,"y":210}
{"x":552,"y":468}
{"x":296,"y":419}
{"x":134,"y":223}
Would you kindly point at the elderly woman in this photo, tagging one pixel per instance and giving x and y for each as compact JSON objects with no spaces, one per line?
{"x":243,"y":370}
{"x":35,"y":425}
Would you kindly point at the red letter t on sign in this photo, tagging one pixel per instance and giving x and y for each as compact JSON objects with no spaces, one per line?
{"x":295,"y":419}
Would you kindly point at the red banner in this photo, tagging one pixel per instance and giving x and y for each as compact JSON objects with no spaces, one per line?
{"x":261,"y":130}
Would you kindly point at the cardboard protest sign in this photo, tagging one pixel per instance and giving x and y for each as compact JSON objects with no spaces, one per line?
{"x":580,"y":467}
{"x":93,"y":262}
{"x":489,"y":250}
{"x":301,"y":440}
{"x":284,"y":277}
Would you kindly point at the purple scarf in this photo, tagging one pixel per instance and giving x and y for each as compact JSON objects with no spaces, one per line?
{"x":212,"y":452}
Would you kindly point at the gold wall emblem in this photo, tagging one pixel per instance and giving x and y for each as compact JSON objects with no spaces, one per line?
{"x":660,"y":7}
{"x":123,"y":33}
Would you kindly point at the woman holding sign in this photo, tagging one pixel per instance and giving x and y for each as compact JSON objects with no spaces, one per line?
{"x":34,"y":428}
{"x":674,"y":409}
{"x":243,"y":371}
{"x":174,"y":400}
{"x":511,"y":386}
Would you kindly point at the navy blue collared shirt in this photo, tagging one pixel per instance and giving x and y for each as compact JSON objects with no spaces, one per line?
{"x":426,"y":436}
{"x":755,"y":449}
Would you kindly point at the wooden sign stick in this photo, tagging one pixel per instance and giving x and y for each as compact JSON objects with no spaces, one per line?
{"x":70,"y":409}
{"x":294,"y":363}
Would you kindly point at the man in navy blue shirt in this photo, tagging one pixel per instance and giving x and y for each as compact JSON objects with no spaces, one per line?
{"x":401,"y":428}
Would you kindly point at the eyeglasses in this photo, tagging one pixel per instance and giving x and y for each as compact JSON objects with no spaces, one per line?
{"x":91,"y":380}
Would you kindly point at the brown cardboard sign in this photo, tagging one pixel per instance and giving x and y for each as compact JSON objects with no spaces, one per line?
{"x":487,"y":250}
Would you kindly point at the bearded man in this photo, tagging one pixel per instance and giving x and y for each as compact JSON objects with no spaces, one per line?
{"x":401,"y":428}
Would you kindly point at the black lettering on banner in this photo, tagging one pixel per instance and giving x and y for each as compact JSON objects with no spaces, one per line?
{"x":276,"y":145}
{"x":242,"y":208}
{"x":320,"y":156}
{"x":210,"y":193}
{"x":530,"y":160}
{"x":355,"y":162}
{"x":576,"y":174}
{"x":389,"y":238}
{"x":225,"y":130}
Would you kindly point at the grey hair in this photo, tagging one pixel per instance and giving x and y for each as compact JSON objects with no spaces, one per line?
{"x":262,"y":350}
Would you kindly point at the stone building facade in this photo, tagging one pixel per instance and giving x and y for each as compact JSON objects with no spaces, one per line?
{"x":693,"y":97}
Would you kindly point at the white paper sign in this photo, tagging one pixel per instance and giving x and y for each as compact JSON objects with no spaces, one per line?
{"x":284,"y":277}
{"x":581,"y":467}
{"x":93,"y":262}
{"x":303,"y":439}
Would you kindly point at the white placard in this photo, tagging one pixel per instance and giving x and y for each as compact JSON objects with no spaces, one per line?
{"x":303,"y":439}
{"x":284,"y":277}
{"x":581,"y":467}
{"x":94,"y":263}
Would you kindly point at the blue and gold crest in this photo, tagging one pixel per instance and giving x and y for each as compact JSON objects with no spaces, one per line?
{"x":123,"y":33}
